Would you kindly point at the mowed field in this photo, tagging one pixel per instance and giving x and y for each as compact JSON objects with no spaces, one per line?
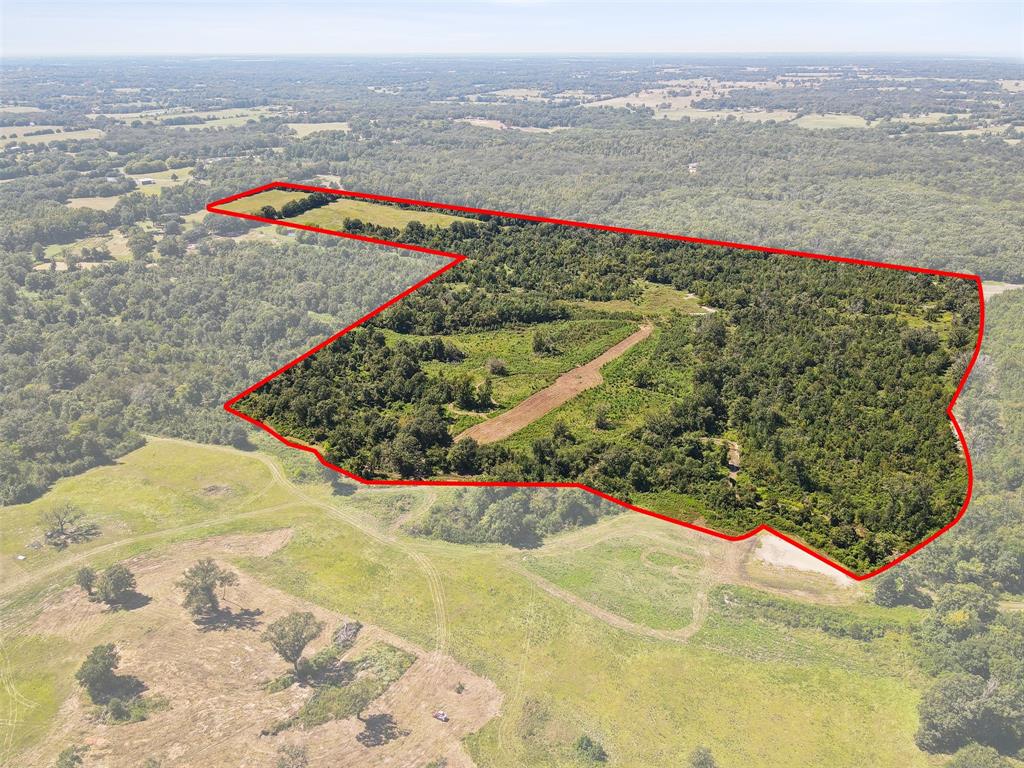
{"x":332,"y":216}
{"x":115,"y":242}
{"x":302,"y":130}
{"x":28,"y":134}
{"x":162,"y":179}
{"x":557,"y":640}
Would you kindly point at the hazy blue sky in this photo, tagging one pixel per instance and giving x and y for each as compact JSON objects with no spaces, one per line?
{"x":102,"y":27}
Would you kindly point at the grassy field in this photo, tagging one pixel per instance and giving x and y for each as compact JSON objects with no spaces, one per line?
{"x":94,"y":203}
{"x":169,"y":178}
{"x":831,"y":121}
{"x":676,"y":108}
{"x":303,"y":130}
{"x":646,"y":585}
{"x":333,"y":215}
{"x":628,"y":405}
{"x":17,"y":134}
{"x":655,"y":300}
{"x":563,"y":672}
{"x":115,"y":242}
{"x":228,"y":117}
{"x":577,"y":342}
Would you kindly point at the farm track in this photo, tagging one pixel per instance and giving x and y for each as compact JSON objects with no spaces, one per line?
{"x":565,"y":388}
{"x":721,"y":564}
{"x":620,"y":622}
{"x":580,"y":540}
{"x":278,"y":478}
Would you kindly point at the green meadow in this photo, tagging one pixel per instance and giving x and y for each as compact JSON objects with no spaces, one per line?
{"x":333,"y":215}
{"x":741,"y":685}
{"x":627,"y":403}
{"x":651,"y":587}
{"x":575,"y":342}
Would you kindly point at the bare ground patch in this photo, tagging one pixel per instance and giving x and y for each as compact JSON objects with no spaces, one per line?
{"x":777,"y":553}
{"x":214,"y":678}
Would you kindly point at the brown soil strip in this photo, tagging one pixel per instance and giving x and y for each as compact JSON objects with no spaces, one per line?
{"x":566,"y":387}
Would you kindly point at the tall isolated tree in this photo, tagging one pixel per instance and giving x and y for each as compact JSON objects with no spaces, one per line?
{"x":290,"y":635}
{"x":86,"y":579}
{"x":115,"y":585}
{"x":64,"y":524}
{"x":96,"y":674}
{"x":200,"y":582}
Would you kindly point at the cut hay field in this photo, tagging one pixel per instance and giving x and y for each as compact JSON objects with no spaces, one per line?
{"x":94,"y":203}
{"x":333,"y":215}
{"x":558,"y":669}
{"x":302,"y":130}
{"x":24,"y":134}
{"x":115,"y":242}
{"x":831,"y":121}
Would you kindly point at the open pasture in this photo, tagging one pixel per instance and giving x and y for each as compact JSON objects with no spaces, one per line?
{"x":469,"y":602}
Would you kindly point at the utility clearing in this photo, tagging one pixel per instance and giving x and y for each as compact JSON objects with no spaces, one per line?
{"x":566,"y":387}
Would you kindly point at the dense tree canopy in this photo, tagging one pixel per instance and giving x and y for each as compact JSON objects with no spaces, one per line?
{"x":835,"y":377}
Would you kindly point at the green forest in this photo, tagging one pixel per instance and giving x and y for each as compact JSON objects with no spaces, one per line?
{"x":832,"y":378}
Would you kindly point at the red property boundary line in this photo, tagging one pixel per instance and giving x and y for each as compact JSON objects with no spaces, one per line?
{"x":455,"y":259}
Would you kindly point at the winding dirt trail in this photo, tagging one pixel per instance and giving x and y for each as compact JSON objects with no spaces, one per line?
{"x":700,"y":610}
{"x":565,"y":388}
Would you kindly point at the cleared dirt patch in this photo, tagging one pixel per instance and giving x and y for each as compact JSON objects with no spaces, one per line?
{"x":566,"y":387}
{"x":214,"y":678}
{"x":777,"y":553}
{"x":993,"y":289}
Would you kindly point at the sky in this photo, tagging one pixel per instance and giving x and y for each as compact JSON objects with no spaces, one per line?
{"x":52,"y":28}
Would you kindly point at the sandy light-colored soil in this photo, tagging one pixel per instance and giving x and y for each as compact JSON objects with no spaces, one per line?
{"x":565,"y":388}
{"x":778,"y":553}
{"x":993,"y":289}
{"x":213,"y":679}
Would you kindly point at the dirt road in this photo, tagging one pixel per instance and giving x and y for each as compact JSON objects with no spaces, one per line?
{"x":565,"y":388}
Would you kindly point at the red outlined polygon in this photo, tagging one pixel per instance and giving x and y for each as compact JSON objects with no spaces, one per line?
{"x":455,"y":259}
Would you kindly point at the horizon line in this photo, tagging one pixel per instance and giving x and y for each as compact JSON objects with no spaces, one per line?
{"x":1005,"y":57}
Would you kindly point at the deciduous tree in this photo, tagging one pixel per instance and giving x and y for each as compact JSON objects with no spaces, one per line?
{"x":200,"y":582}
{"x":290,"y":635}
{"x":96,"y":674}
